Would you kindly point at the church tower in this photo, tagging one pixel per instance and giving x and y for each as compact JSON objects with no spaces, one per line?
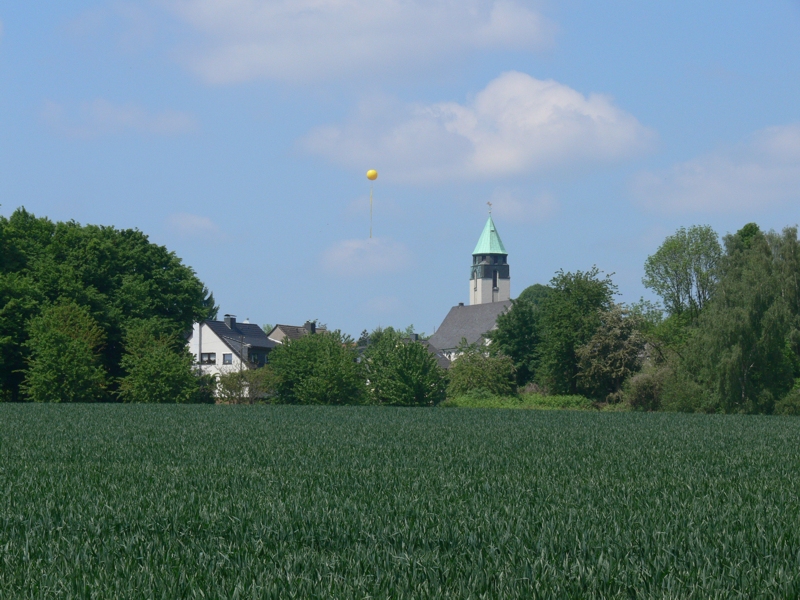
{"x":489,"y":279}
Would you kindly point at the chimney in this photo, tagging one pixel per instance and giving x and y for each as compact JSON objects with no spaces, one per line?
{"x":310,"y":326}
{"x":461,"y":304}
{"x":230,"y":321}
{"x":414,"y":337}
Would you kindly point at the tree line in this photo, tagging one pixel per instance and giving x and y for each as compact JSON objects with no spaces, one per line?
{"x":724,"y":338}
{"x":92,"y":313}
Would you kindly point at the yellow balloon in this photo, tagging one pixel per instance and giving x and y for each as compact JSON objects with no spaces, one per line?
{"x":372,"y":174}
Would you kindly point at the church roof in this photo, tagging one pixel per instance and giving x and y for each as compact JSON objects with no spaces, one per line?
{"x":468,"y":322}
{"x":490,"y":242}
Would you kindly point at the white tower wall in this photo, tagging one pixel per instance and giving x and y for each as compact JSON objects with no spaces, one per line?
{"x":481,"y":291}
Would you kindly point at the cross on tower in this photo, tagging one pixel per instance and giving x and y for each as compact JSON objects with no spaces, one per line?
{"x":490,"y":208}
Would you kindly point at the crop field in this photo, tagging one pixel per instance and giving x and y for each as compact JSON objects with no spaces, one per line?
{"x":140,"y":501}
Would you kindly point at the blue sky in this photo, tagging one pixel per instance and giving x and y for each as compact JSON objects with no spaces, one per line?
{"x":238,"y":134}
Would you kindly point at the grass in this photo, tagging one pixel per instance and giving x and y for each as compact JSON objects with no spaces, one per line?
{"x":532,"y":401}
{"x":137,"y":501}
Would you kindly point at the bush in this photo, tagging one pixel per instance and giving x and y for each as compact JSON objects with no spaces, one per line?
{"x":475,"y":369}
{"x":400,"y":372}
{"x":644,"y":390}
{"x":482,"y":399}
{"x":246,"y":386}
{"x":681,"y":393}
{"x":318,"y":369}
{"x":158,"y":366}
{"x":790,"y":404}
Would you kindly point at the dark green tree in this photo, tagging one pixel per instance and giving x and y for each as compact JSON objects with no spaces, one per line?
{"x":118,"y":276}
{"x":20,"y":300}
{"x":157,"y":365}
{"x":744,"y":355}
{"x":570,"y":317}
{"x":64,"y":365}
{"x":401,"y":372}
{"x":475,"y":369}
{"x":318,"y":369}
{"x":612,"y":354}
{"x":519,"y":332}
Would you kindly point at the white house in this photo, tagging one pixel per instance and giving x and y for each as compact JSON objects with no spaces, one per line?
{"x":224,"y":346}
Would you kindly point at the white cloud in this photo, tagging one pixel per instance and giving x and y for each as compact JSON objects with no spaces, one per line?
{"x":365,"y":257}
{"x":512,"y":206}
{"x":305,"y":40}
{"x":516,"y":125}
{"x":189,"y":225}
{"x":100,"y":117}
{"x":762,"y":170}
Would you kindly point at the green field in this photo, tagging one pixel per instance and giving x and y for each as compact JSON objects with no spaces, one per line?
{"x":148,"y":501}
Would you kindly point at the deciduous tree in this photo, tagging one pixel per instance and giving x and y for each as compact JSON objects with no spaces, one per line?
{"x":157,"y":365}
{"x":402,"y":372}
{"x":476,"y":369}
{"x":320,"y":368}
{"x":683,"y":271}
{"x":570,"y":317}
{"x":64,"y":366}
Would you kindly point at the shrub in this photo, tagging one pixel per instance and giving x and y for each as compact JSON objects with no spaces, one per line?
{"x":401,"y":372}
{"x":789,"y":404}
{"x":246,"y":386}
{"x":158,"y":366}
{"x":644,"y":390}
{"x":475,"y":369}
{"x":318,"y":369}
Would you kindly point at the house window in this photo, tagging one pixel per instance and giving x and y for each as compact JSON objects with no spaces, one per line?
{"x":208,"y":358}
{"x":227,"y":359}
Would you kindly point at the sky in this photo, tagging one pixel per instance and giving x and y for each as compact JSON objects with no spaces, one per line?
{"x":238,"y":133}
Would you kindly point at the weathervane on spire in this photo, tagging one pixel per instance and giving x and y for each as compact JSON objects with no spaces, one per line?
{"x":490,"y":208}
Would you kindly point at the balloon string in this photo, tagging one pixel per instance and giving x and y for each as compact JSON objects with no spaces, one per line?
{"x":370,"y":211}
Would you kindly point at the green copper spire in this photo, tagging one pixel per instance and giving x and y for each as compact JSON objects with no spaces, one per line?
{"x":490,"y":242}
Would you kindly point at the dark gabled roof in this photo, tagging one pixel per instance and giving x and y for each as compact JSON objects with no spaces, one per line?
{"x":294,"y":332}
{"x":238,"y":334}
{"x":467,"y":322}
{"x":441,"y":359}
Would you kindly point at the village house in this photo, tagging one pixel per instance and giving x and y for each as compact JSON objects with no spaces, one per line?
{"x":279,"y":333}
{"x":226,"y":346}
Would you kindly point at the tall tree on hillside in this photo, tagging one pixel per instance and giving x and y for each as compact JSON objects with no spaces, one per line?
{"x":118,"y":276}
